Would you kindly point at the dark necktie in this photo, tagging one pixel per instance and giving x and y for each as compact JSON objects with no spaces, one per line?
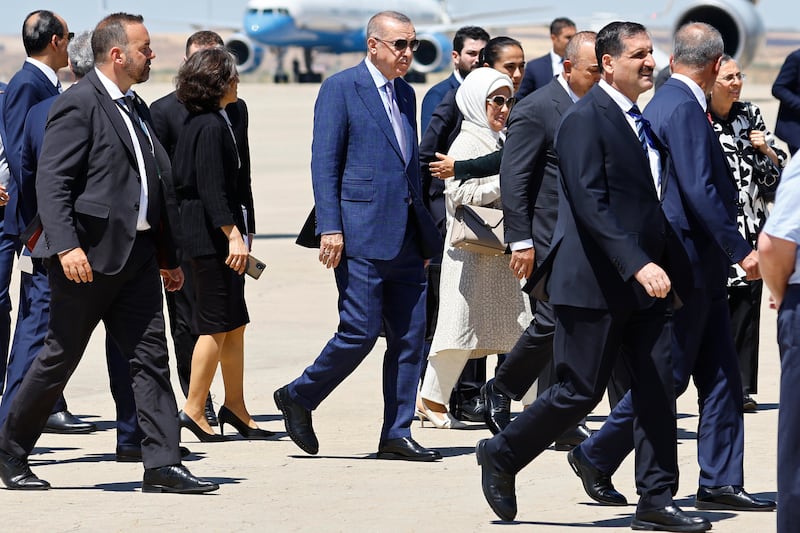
{"x":642,"y":127}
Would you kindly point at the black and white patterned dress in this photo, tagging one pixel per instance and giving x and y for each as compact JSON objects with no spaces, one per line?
{"x":733,"y":134}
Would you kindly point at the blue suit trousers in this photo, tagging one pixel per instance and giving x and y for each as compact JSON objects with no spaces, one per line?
{"x":372,"y":292}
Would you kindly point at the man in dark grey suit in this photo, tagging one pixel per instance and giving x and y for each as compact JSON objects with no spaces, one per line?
{"x":105,"y":237}
{"x":529,"y":182}
{"x":607,"y":285}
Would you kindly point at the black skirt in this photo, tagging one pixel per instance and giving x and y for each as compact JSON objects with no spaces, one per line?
{"x":219,"y":297}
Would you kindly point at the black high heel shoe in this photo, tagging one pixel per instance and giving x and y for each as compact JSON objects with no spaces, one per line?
{"x":187,"y":422}
{"x":226,"y":416}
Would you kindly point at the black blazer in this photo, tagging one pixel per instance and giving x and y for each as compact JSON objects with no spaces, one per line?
{"x":88,"y":182}
{"x":610,"y":220}
{"x":529,"y":169}
{"x":444,"y":127}
{"x":208,"y":184}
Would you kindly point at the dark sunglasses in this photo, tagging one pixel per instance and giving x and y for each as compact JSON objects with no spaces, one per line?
{"x":400,"y":45}
{"x":500,"y":101}
{"x":70,"y":36}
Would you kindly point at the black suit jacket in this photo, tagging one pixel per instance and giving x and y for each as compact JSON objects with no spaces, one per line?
{"x":209,"y":186}
{"x":88,"y":181}
{"x":610,"y":219}
{"x":529,"y":169}
{"x":538,"y":73}
{"x":444,"y":127}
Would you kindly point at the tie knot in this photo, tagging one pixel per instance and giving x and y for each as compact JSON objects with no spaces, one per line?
{"x":634,"y":112}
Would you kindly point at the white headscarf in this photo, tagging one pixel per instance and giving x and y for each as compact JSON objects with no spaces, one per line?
{"x":471,"y":96}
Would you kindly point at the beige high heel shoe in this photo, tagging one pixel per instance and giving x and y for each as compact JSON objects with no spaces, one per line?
{"x":439,"y":420}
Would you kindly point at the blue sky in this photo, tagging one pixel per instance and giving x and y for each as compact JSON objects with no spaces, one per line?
{"x":177,"y":15}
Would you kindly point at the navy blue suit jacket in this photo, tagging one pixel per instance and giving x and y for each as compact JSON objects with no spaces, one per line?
{"x":701,"y":204}
{"x":538,"y":73}
{"x":26,"y":88}
{"x":433,"y":97}
{"x":362,"y":185}
{"x":600,"y":242}
{"x":787,"y":89}
{"x":32,"y":140}
{"x":2,"y":121}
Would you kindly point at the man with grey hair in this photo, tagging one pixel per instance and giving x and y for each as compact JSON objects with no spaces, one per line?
{"x":700,"y":204}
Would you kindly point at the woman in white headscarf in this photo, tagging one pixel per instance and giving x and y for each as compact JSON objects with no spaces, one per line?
{"x":481,"y":308}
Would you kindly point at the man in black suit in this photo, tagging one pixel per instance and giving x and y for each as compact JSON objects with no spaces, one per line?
{"x":701,"y":206}
{"x":105,"y":235}
{"x":787,"y":90}
{"x":45,"y":36}
{"x":169,"y":115}
{"x":541,"y":70}
{"x":529,"y":182}
{"x":609,"y":291}
{"x":467,"y":44}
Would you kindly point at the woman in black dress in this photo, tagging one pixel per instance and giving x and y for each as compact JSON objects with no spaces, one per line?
{"x":217,"y":224}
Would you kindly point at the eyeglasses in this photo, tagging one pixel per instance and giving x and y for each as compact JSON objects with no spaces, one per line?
{"x":400,"y":45}
{"x":70,"y":36}
{"x":500,"y":101}
{"x":730,"y":77}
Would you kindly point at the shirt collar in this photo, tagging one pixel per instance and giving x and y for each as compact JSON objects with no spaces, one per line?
{"x":621,"y":100}
{"x":459,"y":77}
{"x":696,"y":90}
{"x":111,"y":88}
{"x":563,"y":81}
{"x":46,"y":70}
{"x":377,"y":77}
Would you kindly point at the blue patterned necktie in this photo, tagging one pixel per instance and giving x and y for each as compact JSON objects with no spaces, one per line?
{"x":642,"y":127}
{"x":396,"y":119}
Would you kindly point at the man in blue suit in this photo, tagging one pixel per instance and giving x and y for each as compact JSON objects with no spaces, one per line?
{"x":375,"y":233}
{"x":542,"y":70}
{"x":787,"y":90}
{"x":467,"y":45}
{"x":45,"y":36}
{"x":6,"y":251}
{"x":701,"y":208}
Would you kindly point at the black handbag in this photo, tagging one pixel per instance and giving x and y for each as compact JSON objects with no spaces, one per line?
{"x":478,"y":229}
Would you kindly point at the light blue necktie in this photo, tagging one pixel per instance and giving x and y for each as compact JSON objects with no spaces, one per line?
{"x":397,"y":120}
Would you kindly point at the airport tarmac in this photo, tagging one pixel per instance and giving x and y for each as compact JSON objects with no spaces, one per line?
{"x":273,"y":485}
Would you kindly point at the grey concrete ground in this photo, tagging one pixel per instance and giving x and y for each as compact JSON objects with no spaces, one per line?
{"x":273,"y":486}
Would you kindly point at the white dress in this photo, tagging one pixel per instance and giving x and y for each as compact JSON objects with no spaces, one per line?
{"x":481,"y":307}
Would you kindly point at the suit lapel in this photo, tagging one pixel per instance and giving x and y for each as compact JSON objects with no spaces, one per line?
{"x":616,"y":117}
{"x":365,"y":87}
{"x":45,"y":81}
{"x":113,"y":113}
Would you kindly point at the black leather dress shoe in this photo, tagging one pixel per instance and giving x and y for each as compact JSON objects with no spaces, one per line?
{"x":65,"y":422}
{"x":470,"y":410}
{"x":498,"y":486}
{"x":669,"y":518}
{"x":16,"y":474}
{"x":406,"y":449}
{"x":133,"y":454}
{"x":297,"y":420}
{"x":596,"y":484}
{"x":496,"y":408}
{"x":175,"y":478}
{"x":730,"y":498}
{"x":572,"y":437}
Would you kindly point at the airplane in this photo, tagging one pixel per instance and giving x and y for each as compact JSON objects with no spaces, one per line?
{"x":340,"y":27}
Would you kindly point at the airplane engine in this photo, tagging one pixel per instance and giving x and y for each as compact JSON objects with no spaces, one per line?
{"x":433,"y":53}
{"x":741,"y":27}
{"x":248,"y":54}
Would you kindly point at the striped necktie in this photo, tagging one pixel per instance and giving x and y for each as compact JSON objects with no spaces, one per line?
{"x":642,"y":127}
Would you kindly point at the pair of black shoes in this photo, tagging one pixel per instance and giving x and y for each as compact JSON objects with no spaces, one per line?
{"x":297,"y":420}
{"x":16,"y":474}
